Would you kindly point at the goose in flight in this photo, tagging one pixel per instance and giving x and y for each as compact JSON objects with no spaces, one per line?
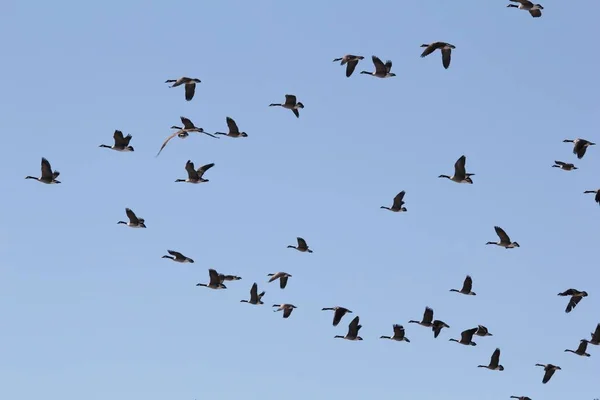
{"x":398,"y":334}
{"x":234,"y":131}
{"x":596,"y":336}
{"x":564,"y":166}
{"x":445,"y":48}
{"x":427,"y":320}
{"x":494,"y":364}
{"x":381,"y":70}
{"x":195,"y":176}
{"x":579,"y":146}
{"x":504,"y":239}
{"x":351,"y":62}
{"x":178,"y":257}
{"x":214,"y":282}
{"x":549,"y":371}
{"x":255,"y":297}
{"x":302,"y":246}
{"x":466,"y":337}
{"x":290,"y":104}
{"x":286,"y":308}
{"x":581,"y":349}
{"x":48,"y":176}
{"x":437,"y":327}
{"x":282,"y":276}
{"x":534,"y":9}
{"x":353,"y":329}
{"x":460,"y":174}
{"x":182,"y":133}
{"x":466,"y":288}
{"x":576,"y":297}
{"x":190,"y":85}
{"x":134,"y":221}
{"x":339,"y":312}
{"x":121,"y":143}
{"x":398,"y":205}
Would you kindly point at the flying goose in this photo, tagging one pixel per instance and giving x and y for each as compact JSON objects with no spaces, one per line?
{"x":437,"y":327}
{"x":596,"y":336}
{"x":466,"y":337}
{"x":302,"y":246}
{"x":565,"y":166}
{"x":134,"y":221}
{"x":534,"y":9}
{"x":460,"y":174}
{"x":482,"y":331}
{"x":504,"y":239}
{"x":338,"y":314}
{"x":290,"y":104}
{"x":195,"y":176}
{"x":597,"y":197}
{"x":381,"y":70}
{"x":255,"y":297}
{"x":581,"y":350}
{"x":48,"y":176}
{"x":580,"y":146}
{"x":353,"y":329}
{"x":121,"y":143}
{"x":282,"y":276}
{"x":397,"y":206}
{"x":466,"y":288}
{"x":177,"y":256}
{"x":549,"y":369}
{"x":287,"y":309}
{"x":223,"y":278}
{"x":445,"y":48}
{"x":494,"y":362}
{"x":234,"y":131}
{"x":182,"y":133}
{"x":576,"y":297}
{"x":520,"y":397}
{"x":190,"y":85}
{"x":351,"y":61}
{"x":398,"y":334}
{"x":427,"y":318}
{"x":214,"y":282}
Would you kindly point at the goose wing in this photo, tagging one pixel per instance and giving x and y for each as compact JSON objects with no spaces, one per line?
{"x":596,"y":334}
{"x":214,"y":277}
{"x":502,"y":235}
{"x":190,"y":89}
{"x":431,"y":48}
{"x":187,"y":123}
{"x":379,"y":65}
{"x":582,"y":346}
{"x":536,"y":13}
{"x":46,"y":169}
{"x":233,"y":128}
{"x":275,"y":276}
{"x":351,"y":67}
{"x":398,"y":200}
{"x":446,"y":56}
{"x":467,"y":336}
{"x":495,"y":360}
{"x":573,"y":303}
{"x":580,"y":147}
{"x":301,"y":243}
{"x":254,"y":293}
{"x":559,"y":162}
{"x":283,"y":281}
{"x":287,"y":311}
{"x":167,"y":141}
{"x":290,"y":100}
{"x":428,"y":315}
{"x":388,"y":66}
{"x":205,"y":168}
{"x":338,"y":314}
{"x":131,"y":215}
{"x":459,"y":167}
{"x":398,"y":331}
{"x":467,"y":284}
{"x":482,"y":329}
{"x":175,"y":254}
{"x":296,"y":112}
{"x":548,"y":374}
{"x":353,"y":327}
{"x":119,"y":139}
{"x":191,"y":170}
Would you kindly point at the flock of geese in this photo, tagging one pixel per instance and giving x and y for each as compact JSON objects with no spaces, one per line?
{"x":216,"y":280}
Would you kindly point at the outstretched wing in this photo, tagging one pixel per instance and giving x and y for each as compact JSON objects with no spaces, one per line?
{"x":379,"y":66}
{"x":351,"y":67}
{"x":131,"y":215}
{"x":190,"y":89}
{"x":46,"y":169}
{"x":446,"y":56}
{"x":205,"y":168}
{"x":233,"y":128}
{"x":398,"y":200}
{"x":191,"y":170}
{"x":467,"y":284}
{"x":573,"y":303}
{"x":167,"y":141}
{"x":502,"y":235}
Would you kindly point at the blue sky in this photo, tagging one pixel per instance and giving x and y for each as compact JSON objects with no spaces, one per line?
{"x":90,"y":310}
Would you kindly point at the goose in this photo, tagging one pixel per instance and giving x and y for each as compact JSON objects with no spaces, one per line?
{"x":121,"y":143}
{"x":338,"y":314}
{"x":482,"y":331}
{"x":504,"y":239}
{"x":597,"y":197}
{"x":437,"y":327}
{"x":195,"y":176}
{"x":466,"y":288}
{"x":234,"y":131}
{"x":48,"y":176}
{"x":287,"y":309}
{"x":134,"y":221}
{"x":460,"y":174}
{"x":351,"y":62}
{"x":466,"y":337}
{"x":427,"y":318}
{"x":381,"y":70}
{"x":282,"y":276}
{"x":564,"y":166}
{"x":596,"y":336}
{"x":549,"y":369}
{"x":302,"y":246}
{"x":398,"y":334}
{"x":520,"y":397}
{"x":223,"y":278}
{"x":214,"y":282}
{"x":255,"y":297}
{"x":290,"y":104}
{"x":397,"y":206}
{"x":580,"y":146}
{"x":581,"y":349}
{"x":177,"y":256}
{"x":576,"y":297}
{"x":182,"y":133}
{"x":445,"y":48}
{"x":534,"y":9}
{"x":494,"y":362}
{"x":353,"y":329}
{"x":190,"y":85}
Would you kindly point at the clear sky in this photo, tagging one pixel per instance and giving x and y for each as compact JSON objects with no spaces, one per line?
{"x":90,"y":310}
